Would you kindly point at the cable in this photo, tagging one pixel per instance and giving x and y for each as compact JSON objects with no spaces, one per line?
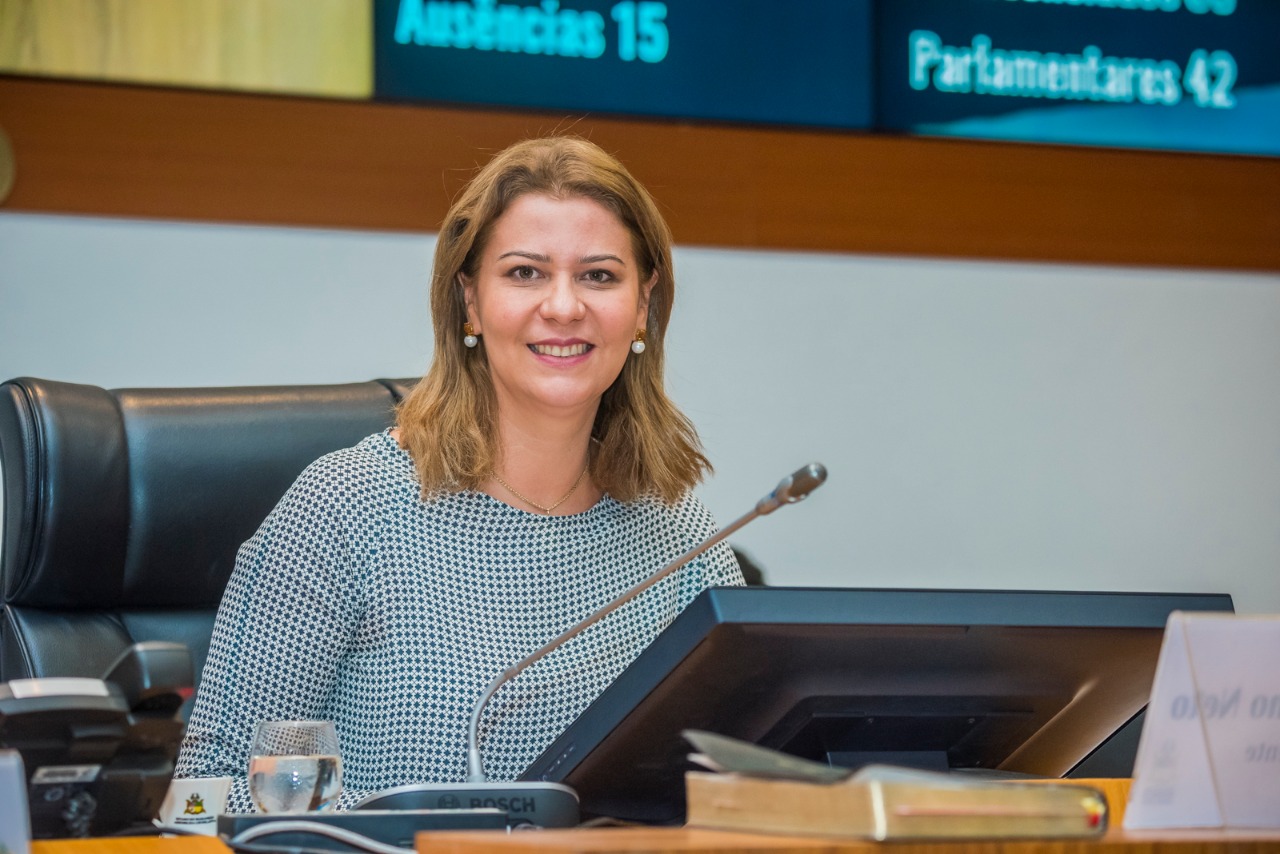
{"x":254,"y":848}
{"x":355,"y":840}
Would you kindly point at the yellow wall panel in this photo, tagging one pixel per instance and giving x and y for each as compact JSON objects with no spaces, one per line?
{"x":305,"y":47}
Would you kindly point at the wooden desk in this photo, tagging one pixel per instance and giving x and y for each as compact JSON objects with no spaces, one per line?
{"x":688,"y":841}
{"x":692,"y":841}
{"x":697,"y":841}
{"x":131,"y":845}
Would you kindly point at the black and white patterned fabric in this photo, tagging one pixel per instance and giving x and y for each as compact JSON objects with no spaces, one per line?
{"x":360,"y":603}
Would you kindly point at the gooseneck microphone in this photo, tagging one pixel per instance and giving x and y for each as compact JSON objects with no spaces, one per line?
{"x":792,"y":488}
{"x":554,"y":804}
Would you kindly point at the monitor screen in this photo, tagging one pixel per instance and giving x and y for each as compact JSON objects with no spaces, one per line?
{"x":1029,"y":682}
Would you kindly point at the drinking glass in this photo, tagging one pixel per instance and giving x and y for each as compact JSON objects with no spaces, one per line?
{"x":295,"y":766}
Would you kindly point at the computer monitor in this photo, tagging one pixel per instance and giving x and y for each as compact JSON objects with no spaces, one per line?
{"x":1012,"y":681}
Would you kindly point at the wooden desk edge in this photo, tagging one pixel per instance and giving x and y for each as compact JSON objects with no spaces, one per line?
{"x":681,"y":840}
{"x":697,"y":841}
{"x":677,"y":840}
{"x":131,"y":845}
{"x":689,"y":840}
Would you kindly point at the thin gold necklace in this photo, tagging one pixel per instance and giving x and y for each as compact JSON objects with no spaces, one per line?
{"x":545,"y":509}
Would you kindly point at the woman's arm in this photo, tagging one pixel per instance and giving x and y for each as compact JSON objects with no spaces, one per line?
{"x":282,"y":628}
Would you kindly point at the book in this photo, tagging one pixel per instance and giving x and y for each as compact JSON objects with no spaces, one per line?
{"x":749,"y":790}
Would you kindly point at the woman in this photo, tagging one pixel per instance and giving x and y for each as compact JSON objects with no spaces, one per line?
{"x":535,"y":473}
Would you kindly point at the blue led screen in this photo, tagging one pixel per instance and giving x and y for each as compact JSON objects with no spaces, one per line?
{"x":1199,"y":75}
{"x":700,"y":59}
{"x":1182,"y":74}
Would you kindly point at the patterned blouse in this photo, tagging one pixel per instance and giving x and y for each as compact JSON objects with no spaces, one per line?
{"x":360,"y":603}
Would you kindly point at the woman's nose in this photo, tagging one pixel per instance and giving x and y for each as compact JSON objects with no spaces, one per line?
{"x":562,"y":303}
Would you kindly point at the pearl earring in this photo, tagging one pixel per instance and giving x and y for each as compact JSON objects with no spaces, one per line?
{"x":470,"y":338}
{"x":637,"y":346}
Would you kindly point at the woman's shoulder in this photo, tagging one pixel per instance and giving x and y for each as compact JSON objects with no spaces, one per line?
{"x":672,"y":529}
{"x":375,"y":466}
{"x":373,"y":457}
{"x":688,"y":505}
{"x":686,"y":516}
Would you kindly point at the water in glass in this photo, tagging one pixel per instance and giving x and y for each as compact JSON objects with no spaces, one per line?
{"x":295,"y":766}
{"x":294,"y":783}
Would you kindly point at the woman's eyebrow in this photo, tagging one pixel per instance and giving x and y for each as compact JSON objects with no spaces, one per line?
{"x":532,"y":256}
{"x":596,"y":259}
{"x":546,"y":259}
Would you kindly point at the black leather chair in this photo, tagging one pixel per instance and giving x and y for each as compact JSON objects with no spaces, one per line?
{"x":123,"y":510}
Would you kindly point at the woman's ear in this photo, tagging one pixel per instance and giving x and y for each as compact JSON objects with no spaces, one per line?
{"x":469,"y":300}
{"x":646,"y":288}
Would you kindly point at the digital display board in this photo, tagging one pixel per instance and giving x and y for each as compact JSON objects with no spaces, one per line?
{"x":698,"y":59}
{"x":1200,"y":75}
{"x":1183,"y":74}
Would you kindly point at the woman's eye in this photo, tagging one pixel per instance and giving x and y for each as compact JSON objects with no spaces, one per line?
{"x":599,"y":277}
{"x":524,"y":272}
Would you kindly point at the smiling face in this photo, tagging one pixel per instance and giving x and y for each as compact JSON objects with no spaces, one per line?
{"x":557,"y":299}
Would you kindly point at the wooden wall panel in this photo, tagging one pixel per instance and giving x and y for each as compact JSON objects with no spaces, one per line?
{"x":133,"y":151}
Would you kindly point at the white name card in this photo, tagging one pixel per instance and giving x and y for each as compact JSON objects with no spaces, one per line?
{"x":1210,"y":749}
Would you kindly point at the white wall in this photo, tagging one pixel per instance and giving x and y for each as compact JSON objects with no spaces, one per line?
{"x":986,"y":424}
{"x":139,"y":303}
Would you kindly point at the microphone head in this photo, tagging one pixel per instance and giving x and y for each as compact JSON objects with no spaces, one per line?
{"x":794,"y":487}
{"x":801,"y":482}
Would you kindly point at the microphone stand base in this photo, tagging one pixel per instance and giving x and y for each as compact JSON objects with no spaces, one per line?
{"x":539,"y":804}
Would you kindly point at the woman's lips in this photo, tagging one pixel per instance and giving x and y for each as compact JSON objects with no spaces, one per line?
{"x":561,"y":351}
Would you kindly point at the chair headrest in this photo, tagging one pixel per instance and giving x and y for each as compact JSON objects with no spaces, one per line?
{"x":141,"y":497}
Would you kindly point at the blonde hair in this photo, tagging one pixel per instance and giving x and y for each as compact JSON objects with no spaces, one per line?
{"x":643,"y":445}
